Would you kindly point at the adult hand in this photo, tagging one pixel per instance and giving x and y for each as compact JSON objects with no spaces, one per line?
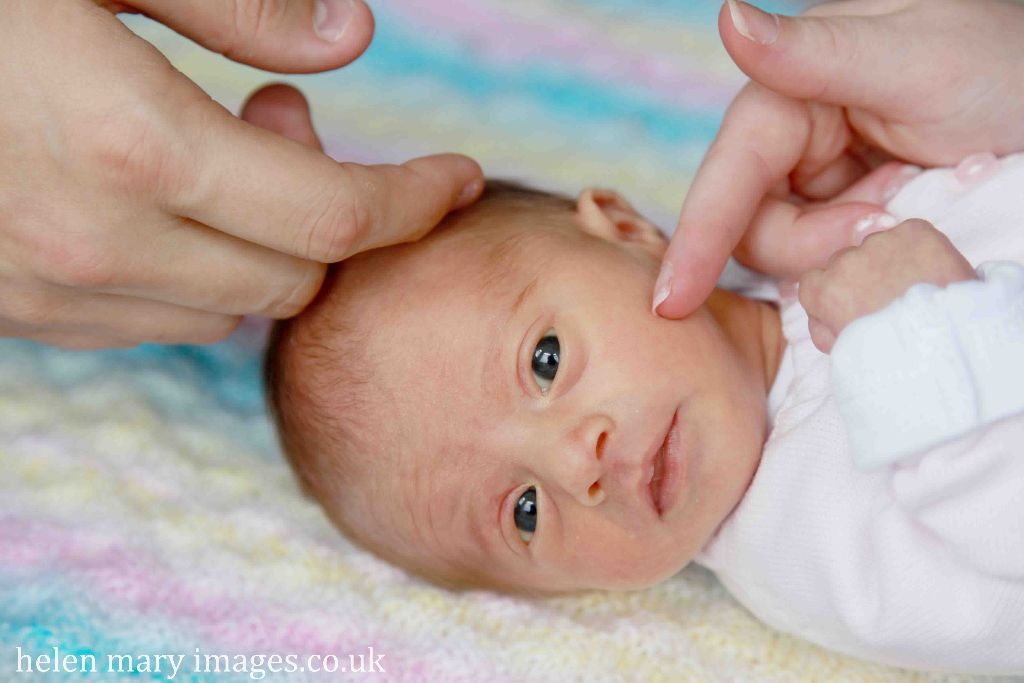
{"x":134,"y":208}
{"x":926,"y":81}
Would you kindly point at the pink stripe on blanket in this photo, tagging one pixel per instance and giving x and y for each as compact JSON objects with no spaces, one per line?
{"x":126,"y":578}
{"x":121,"y":580}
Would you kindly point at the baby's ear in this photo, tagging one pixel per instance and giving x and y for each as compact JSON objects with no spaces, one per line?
{"x":605,"y":214}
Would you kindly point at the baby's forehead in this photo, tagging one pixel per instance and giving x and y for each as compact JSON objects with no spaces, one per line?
{"x":504,"y":242}
{"x":506,"y":231}
{"x":477,"y":256}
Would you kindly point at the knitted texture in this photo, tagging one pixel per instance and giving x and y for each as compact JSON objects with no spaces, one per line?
{"x":144,"y":505}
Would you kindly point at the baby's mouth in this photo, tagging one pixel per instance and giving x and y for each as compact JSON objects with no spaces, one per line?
{"x":665,"y":470}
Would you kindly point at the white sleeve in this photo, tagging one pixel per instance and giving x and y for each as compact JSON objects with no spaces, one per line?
{"x":969,"y":493}
{"x":932,"y":365}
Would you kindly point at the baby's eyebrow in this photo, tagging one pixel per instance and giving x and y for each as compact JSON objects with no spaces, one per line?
{"x":491,"y":380}
{"x":526,"y":291}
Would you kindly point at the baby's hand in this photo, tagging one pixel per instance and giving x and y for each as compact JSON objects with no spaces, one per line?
{"x":861,"y":280}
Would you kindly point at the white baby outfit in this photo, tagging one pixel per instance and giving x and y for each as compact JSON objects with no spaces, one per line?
{"x":886,"y":518}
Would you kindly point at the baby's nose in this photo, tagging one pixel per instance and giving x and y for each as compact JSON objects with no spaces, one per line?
{"x":582,"y":464}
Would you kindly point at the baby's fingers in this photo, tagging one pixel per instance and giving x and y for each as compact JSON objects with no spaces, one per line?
{"x":821,"y":335}
{"x":821,"y":322}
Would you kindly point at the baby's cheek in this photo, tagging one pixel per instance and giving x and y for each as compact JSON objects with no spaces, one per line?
{"x":632,"y":564}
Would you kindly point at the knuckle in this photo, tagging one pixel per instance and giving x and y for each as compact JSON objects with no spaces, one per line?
{"x":759,"y":162}
{"x":423,"y":181}
{"x":848,"y":270}
{"x":841,"y":43}
{"x":250,"y":19}
{"x":836,"y":47}
{"x":131,"y":151}
{"x":841,"y":256}
{"x":334,"y":225}
{"x":73,"y":263}
{"x":876,"y":238}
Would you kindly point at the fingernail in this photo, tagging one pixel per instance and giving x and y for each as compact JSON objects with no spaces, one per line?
{"x":906,"y":174}
{"x":976,"y":168}
{"x":469,"y":193}
{"x":754,"y":24}
{"x":663,"y":287}
{"x":332,"y":17}
{"x":872,"y":223}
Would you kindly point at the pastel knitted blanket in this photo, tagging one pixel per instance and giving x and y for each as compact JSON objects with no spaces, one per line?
{"x":145,"y":509}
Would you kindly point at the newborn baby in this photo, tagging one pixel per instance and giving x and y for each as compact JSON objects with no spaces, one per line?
{"x":497,"y":406}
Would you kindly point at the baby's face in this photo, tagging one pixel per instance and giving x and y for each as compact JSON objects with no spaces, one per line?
{"x":557,"y":435}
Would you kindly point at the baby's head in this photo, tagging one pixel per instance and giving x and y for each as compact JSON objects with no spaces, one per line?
{"x":488,"y":406}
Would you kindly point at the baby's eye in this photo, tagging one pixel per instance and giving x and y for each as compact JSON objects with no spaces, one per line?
{"x":545,"y":361}
{"x":525,"y":514}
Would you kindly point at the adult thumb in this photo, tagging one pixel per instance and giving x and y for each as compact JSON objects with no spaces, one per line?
{"x":859,"y":58}
{"x":287,"y":36}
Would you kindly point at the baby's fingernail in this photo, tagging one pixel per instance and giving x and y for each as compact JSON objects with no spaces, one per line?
{"x":906,"y":174}
{"x":752,"y":23}
{"x":469,"y":193}
{"x":975,"y":168}
{"x":332,"y":17}
{"x":663,"y":287}
{"x":872,"y":223}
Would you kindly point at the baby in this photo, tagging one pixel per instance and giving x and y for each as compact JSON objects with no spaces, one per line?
{"x":496,"y":405}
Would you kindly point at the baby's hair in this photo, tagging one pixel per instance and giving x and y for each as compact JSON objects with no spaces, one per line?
{"x":319,"y":384}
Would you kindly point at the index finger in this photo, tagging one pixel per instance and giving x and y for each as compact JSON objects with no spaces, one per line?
{"x":762,"y":138}
{"x":266,"y":189}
